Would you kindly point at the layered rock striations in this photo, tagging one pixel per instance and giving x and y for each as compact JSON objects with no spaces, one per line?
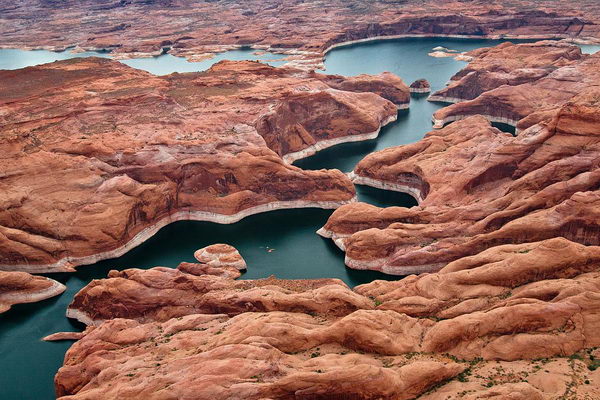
{"x":21,"y":287}
{"x":159,"y":294}
{"x":526,"y":90}
{"x":220,"y":256}
{"x":506,"y":64}
{"x":386,"y":84}
{"x":478,"y":187}
{"x":304,"y":30}
{"x":499,"y":323}
{"x":98,"y":156}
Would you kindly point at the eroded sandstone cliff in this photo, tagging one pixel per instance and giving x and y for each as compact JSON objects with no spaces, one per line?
{"x":507,"y":64}
{"x":479,"y":187}
{"x":520,"y":85}
{"x":98,"y":156}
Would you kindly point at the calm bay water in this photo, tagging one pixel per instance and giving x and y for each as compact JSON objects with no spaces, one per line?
{"x":160,"y":65}
{"x":28,"y":364}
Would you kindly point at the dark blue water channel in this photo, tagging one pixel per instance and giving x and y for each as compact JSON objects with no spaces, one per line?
{"x":28,"y":365}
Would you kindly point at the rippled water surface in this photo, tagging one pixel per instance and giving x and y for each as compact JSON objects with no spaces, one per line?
{"x":282,"y":243}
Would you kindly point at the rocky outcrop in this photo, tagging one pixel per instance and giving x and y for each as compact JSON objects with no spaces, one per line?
{"x":495,"y":324}
{"x":386,"y":84}
{"x":159,"y":294}
{"x":114,"y":154}
{"x":531,"y":89}
{"x":478,"y":187}
{"x":21,"y":287}
{"x":304,"y":30}
{"x":420,"y":86}
{"x":506,"y":64}
{"x":544,"y":293}
{"x":197,"y":356}
{"x":219,"y":256}
{"x":308,"y":122}
{"x":59,"y":336}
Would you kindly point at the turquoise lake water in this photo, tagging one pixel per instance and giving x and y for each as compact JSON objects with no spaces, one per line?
{"x":160,"y":65}
{"x":28,"y":365}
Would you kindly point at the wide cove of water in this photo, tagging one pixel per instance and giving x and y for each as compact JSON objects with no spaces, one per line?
{"x":28,"y":364}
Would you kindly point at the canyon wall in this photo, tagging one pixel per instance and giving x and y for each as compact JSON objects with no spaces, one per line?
{"x":479,"y":187}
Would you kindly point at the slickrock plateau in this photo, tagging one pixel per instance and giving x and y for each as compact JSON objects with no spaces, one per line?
{"x":21,"y":287}
{"x":478,"y":187}
{"x":98,"y":156}
{"x":303,"y":29}
{"x":519,"y":85}
{"x":159,"y":294}
{"x":514,"y":321}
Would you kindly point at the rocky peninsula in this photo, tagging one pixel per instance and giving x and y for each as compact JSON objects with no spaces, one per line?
{"x":21,"y":287}
{"x":99,"y":156}
{"x":479,"y":187}
{"x":506,"y":64}
{"x":541,"y":78}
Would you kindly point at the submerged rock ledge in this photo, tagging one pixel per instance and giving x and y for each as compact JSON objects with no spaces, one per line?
{"x":115,"y":153}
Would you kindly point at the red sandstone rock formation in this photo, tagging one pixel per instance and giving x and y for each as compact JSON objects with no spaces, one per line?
{"x":21,"y":287}
{"x":507,"y":64}
{"x":478,"y":188}
{"x":302,"y":29}
{"x":420,"y":86}
{"x":115,"y":153}
{"x":253,"y":356}
{"x":386,"y":84}
{"x":513,"y":303}
{"x":220,"y":255}
{"x":519,"y":96}
{"x":65,"y":336}
{"x":224,"y":271}
{"x":159,"y":294}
